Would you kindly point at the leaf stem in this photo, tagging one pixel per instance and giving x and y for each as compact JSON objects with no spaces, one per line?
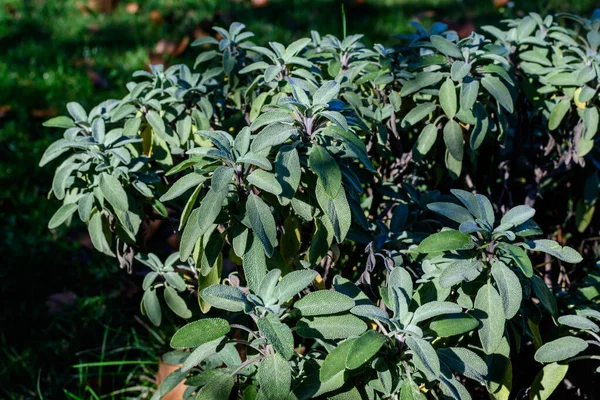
{"x":246,"y":363}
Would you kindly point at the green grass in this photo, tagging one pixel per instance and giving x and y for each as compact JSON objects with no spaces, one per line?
{"x":49,"y":49}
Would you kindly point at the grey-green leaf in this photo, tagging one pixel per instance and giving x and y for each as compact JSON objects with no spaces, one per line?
{"x":113,"y":191}
{"x":363,"y":348}
{"x":327,"y":169}
{"x":62,"y":214}
{"x":578,"y":322}
{"x":225,"y":297}
{"x":425,"y":353}
{"x":199,"y":332}
{"x":278,"y":334}
{"x":490,"y":313}
{"x":262,"y":222}
{"x":445,"y":46}
{"x":176,"y":303}
{"x":323,"y":302}
{"x":293,"y":283}
{"x":331,"y":327}
{"x":509,"y":287}
{"x":453,"y":138}
{"x":499,"y":91}
{"x":560,"y":349}
{"x":275,"y":377}
{"x":448,"y":98}
{"x":446,"y":241}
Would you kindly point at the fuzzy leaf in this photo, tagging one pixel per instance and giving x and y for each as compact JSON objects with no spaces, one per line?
{"x":199,"y":332}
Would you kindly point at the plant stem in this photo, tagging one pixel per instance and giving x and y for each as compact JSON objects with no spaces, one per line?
{"x":246,"y":363}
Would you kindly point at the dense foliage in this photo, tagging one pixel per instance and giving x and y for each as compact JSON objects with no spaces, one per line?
{"x":306,"y":183}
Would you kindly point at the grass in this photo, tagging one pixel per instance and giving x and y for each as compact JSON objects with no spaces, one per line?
{"x":54,"y":52}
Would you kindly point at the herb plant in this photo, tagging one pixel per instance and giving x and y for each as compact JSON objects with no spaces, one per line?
{"x":316,"y":256}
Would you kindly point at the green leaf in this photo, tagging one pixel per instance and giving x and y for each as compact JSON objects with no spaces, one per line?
{"x":200,"y":354}
{"x":469,"y":90}
{"x":445,"y":46}
{"x":558,"y":113}
{"x":221,"y":178}
{"x":327,"y":169}
{"x":337,"y":211}
{"x":77,"y":112}
{"x":327,"y":92}
{"x":225,"y":297}
{"x":176,"y":303}
{"x":516,"y":216}
{"x":453,"y":324}
{"x":262,"y":222}
{"x":183,"y":185}
{"x":551,"y":247}
{"x":547,"y":380}
{"x":451,"y":211}
{"x":591,"y":120}
{"x":61,"y":215}
{"x":526,"y":27}
{"x":420,"y":81}
{"x":499,"y":91}
{"x":254,"y":264}
{"x":278,"y":334}
{"x":271,"y":117}
{"x":267,"y":287}
{"x":460,"y":271}
{"x":424,"y":352}
{"x":446,"y":241}
{"x":288,"y":173}
{"x":113,"y":191}
{"x":293,"y":283}
{"x":509,"y":287}
{"x":371,"y":312}
{"x":274,"y":377}
{"x":59,"y":122}
{"x":199,"y":332}
{"x":323,"y":302}
{"x":464,"y":362}
{"x":481,"y":126}
{"x":417,"y":114}
{"x":200,"y":220}
{"x":433,"y":309}
{"x":219,"y":387}
{"x":363,"y":348}
{"x":448,"y":98}
{"x":490,"y":313}
{"x":400,"y":290}
{"x":459,"y":70}
{"x":331,"y":327}
{"x":272,"y":135}
{"x":518,"y":256}
{"x":560,"y":349}
{"x":265,"y":181}
{"x":425,"y":141}
{"x":544,"y":295}
{"x":578,"y":322}
{"x":98,"y":235}
{"x":453,"y":138}
{"x":335,"y":362}
{"x":152,"y":306}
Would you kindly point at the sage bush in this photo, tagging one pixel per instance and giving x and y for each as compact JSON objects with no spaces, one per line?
{"x":351,"y":222}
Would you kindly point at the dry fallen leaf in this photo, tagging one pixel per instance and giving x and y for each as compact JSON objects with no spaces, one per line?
{"x":132,"y":8}
{"x":164,"y":370}
{"x":156,"y":17}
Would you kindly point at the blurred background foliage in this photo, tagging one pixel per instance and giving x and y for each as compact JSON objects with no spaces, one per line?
{"x":67,"y":326}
